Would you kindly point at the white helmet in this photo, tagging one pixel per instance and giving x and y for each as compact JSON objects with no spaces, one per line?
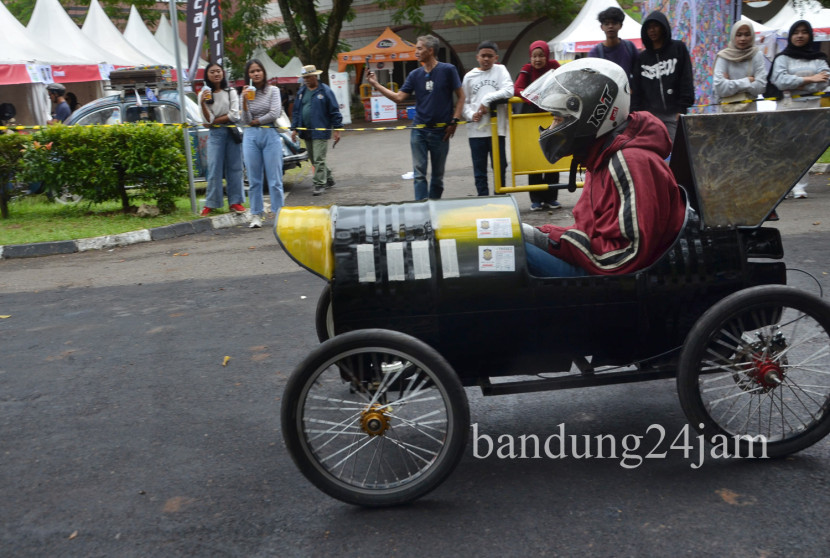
{"x":588,"y":98}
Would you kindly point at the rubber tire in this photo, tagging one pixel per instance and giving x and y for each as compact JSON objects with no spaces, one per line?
{"x":323,"y":319}
{"x":721,"y":313}
{"x":444,"y":377}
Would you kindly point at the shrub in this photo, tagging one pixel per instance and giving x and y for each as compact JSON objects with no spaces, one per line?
{"x":101,"y":163}
{"x":11,"y":154}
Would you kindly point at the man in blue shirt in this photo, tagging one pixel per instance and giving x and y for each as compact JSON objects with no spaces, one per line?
{"x":613,"y":48}
{"x":62,"y":111}
{"x":436,"y":119}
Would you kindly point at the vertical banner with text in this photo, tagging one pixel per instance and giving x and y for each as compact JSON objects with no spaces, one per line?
{"x":204,"y":20}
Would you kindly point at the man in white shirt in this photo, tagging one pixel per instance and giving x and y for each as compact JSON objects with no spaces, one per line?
{"x":483,"y":86}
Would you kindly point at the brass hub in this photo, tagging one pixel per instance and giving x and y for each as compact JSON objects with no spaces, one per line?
{"x":374,"y":420}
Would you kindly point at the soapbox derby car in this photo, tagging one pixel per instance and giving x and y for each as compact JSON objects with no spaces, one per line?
{"x":425,"y":298}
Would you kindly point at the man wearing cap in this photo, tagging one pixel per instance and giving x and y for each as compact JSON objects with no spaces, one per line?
{"x":316,"y":112}
{"x":56,"y":92}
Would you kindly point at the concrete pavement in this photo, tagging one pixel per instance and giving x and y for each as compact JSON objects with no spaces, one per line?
{"x":368,"y":167}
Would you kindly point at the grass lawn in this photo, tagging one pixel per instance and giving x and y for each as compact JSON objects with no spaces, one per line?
{"x":35,"y":219}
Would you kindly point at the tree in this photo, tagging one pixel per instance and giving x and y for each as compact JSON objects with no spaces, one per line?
{"x":315,"y":35}
{"x":115,"y":9}
{"x":245,"y":29}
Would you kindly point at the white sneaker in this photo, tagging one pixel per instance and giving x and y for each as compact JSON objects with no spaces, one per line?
{"x":800,"y":195}
{"x":256,"y":222}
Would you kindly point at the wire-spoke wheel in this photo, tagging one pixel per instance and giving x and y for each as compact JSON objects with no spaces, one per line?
{"x":375,"y":418}
{"x":758,"y":364}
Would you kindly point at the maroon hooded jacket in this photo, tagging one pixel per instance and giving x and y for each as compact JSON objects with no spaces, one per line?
{"x":631,"y":208}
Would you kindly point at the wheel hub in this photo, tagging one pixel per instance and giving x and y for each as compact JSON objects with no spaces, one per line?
{"x":766,"y":373}
{"x":374,"y":420}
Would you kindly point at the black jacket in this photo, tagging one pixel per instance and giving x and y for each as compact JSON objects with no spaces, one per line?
{"x":663,"y":79}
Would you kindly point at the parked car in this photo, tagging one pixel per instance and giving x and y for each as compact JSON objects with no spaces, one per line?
{"x":118,"y":107}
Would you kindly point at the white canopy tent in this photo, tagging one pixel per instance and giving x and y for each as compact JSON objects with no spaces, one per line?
{"x":291,"y":72}
{"x":272,"y":69}
{"x":140,"y":37}
{"x":54,"y":28}
{"x":102,"y":32}
{"x":791,"y":13}
{"x":164,"y":35}
{"x":28,"y":63}
{"x":584,"y":31}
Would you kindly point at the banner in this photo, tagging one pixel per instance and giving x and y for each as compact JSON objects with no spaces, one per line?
{"x":214,"y":33}
{"x":339,"y":83}
{"x":204,"y":20}
{"x":195,"y":30}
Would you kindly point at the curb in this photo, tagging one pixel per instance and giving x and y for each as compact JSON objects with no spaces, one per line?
{"x":223,"y":221}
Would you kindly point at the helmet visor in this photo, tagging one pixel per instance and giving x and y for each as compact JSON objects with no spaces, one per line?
{"x":550,"y":95}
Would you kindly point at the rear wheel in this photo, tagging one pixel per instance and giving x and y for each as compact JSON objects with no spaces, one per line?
{"x":758,"y":364}
{"x":375,"y":418}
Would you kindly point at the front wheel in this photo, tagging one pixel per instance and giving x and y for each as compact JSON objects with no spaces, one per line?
{"x":375,"y":418}
{"x":757,"y":364}
{"x":323,"y":316}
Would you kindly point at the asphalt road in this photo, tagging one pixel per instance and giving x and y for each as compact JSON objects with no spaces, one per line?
{"x":122,"y":433}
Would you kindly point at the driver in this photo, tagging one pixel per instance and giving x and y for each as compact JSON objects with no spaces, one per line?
{"x":631,"y":208}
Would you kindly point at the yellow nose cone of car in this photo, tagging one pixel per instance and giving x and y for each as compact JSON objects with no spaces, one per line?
{"x":305,"y":234}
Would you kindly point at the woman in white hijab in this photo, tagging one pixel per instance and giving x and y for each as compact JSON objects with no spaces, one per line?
{"x":740,"y":73}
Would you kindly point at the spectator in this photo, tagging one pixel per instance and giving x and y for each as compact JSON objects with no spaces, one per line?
{"x":71,"y":100}
{"x":261,"y":142}
{"x":631,"y":208}
{"x":801,"y":70}
{"x":740,"y":72}
{"x":663,"y":82}
{"x":433,"y":85}
{"x":56,"y":93}
{"x":613,"y":48}
{"x":540,"y":64}
{"x":220,"y":107}
{"x":317,"y":108}
{"x":482,"y":86}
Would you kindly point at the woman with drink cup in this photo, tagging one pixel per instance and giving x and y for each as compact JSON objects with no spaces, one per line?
{"x":261,"y":143}
{"x":220,"y":110}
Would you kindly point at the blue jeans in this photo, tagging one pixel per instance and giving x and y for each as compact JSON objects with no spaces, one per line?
{"x":429,"y":141}
{"x":544,"y":264}
{"x":224,"y":160}
{"x":262,"y":148}
{"x":480,"y":148}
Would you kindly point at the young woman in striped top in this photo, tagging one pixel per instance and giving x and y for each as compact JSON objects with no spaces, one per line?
{"x":261,"y":143}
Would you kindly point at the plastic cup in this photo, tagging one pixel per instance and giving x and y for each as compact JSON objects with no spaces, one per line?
{"x":250,"y":93}
{"x":207,"y":96}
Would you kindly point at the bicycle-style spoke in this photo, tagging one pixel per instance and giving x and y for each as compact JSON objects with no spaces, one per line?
{"x":375,"y":419}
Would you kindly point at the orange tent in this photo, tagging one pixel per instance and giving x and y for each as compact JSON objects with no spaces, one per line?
{"x":386,"y":48}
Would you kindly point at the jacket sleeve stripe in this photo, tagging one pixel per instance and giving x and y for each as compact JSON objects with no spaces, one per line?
{"x":627,"y":221}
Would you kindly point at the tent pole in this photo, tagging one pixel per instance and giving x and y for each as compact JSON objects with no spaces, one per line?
{"x":180,"y":76}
